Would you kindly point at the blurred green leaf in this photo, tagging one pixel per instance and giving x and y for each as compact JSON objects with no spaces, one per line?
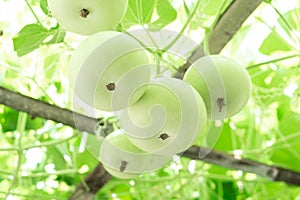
{"x":186,"y":8}
{"x":212,"y":7}
{"x":292,"y":18}
{"x":139,"y":11}
{"x":56,"y":157}
{"x":87,"y":156}
{"x":273,"y":43}
{"x":142,"y":12}
{"x":290,"y":123}
{"x":231,"y":190}
{"x":287,"y":152}
{"x":272,"y":190}
{"x":288,"y":156}
{"x":34,"y":123}
{"x":121,"y":188}
{"x":9,"y":120}
{"x":284,"y":107}
{"x":101,"y":196}
{"x":58,"y":35}
{"x":220,"y":138}
{"x":163,"y":173}
{"x":217,"y":170}
{"x":44,"y":7}
{"x":166,"y":13}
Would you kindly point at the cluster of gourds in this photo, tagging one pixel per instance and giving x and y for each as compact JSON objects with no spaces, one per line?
{"x":159,"y":117}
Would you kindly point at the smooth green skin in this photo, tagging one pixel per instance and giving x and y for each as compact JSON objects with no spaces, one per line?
{"x":121,"y":175}
{"x":120,"y":140}
{"x":117,"y":147}
{"x":183,"y":120}
{"x":84,"y":49}
{"x":90,"y":70}
{"x":235,"y":80}
{"x":103,"y":14}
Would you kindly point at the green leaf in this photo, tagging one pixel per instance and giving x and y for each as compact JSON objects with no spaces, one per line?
{"x":166,"y":13}
{"x":287,"y":157}
{"x":102,"y":195}
{"x":57,"y":37}
{"x":29,"y":38}
{"x":220,"y":138}
{"x":286,"y":152}
{"x":35,"y":123}
{"x":50,"y":67}
{"x":292,"y":18}
{"x":139,"y":12}
{"x":270,"y":78}
{"x":212,"y":7}
{"x":273,"y":43}
{"x":121,"y":188}
{"x":231,"y":190}
{"x":32,"y":36}
{"x":268,"y":1}
{"x":272,"y":190}
{"x":186,"y":8}
{"x":56,"y":157}
{"x":90,"y":154}
{"x":163,"y":173}
{"x":44,"y":7}
{"x":290,"y":123}
{"x":10,"y":116}
{"x":215,"y":169}
{"x":283,"y":108}
{"x":8,"y":119}
{"x":206,"y":13}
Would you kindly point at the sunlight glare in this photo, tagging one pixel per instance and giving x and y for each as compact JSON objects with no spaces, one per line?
{"x":40,"y":185}
{"x":290,"y":89}
{"x":34,"y":156}
{"x":192,"y":166}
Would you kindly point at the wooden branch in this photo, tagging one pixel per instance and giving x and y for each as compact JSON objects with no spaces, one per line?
{"x":226,"y":27}
{"x":37,"y":108}
{"x":42,"y":109}
{"x":274,"y":173}
{"x":230,"y":22}
{"x":93,"y":182}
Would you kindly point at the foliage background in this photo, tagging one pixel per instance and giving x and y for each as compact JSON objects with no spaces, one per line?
{"x":45,"y":160}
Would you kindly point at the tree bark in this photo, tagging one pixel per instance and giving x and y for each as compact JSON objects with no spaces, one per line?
{"x":98,"y":177}
{"x":95,"y":180}
{"x":230,"y":22}
{"x":37,"y":108}
{"x":270,"y":172}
